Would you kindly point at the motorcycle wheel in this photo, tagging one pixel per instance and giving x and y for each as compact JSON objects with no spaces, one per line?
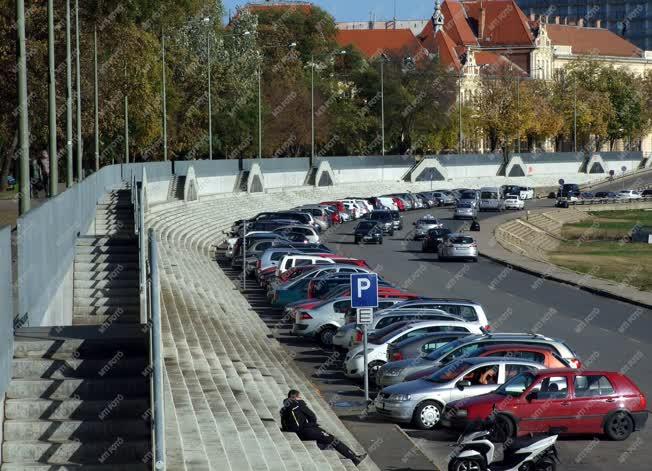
{"x":546,"y":464}
{"x":466,"y":464}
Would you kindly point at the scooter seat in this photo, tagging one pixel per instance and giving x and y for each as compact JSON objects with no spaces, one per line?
{"x":523,"y":442}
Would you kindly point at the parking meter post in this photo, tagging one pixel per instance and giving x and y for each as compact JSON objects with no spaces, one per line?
{"x":366,"y":364}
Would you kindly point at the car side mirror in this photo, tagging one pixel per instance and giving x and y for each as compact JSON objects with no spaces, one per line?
{"x":463,"y":384}
{"x":532,"y":396}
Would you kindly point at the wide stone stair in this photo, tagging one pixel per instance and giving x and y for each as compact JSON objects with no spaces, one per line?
{"x":78,"y":400}
{"x":105,"y":281}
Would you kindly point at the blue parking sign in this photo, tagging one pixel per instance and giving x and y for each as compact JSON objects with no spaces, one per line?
{"x":364,"y":290}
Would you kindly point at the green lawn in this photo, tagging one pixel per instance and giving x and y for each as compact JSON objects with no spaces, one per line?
{"x":596,"y":245}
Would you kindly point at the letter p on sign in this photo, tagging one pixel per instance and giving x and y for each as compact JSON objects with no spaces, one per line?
{"x":364,"y":290}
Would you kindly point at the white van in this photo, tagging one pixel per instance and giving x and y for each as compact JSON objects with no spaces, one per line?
{"x":491,"y":199}
{"x":291,"y":261}
{"x":389,"y":203}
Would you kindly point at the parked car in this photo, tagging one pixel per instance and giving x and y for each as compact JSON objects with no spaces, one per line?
{"x":647,"y":193}
{"x":526,"y":192}
{"x":465,"y":210}
{"x":398,"y":221}
{"x":458,"y":246}
{"x":368,"y":231}
{"x":378,"y":342}
{"x":384,"y":219}
{"x":543,"y":354}
{"x":419,"y":346}
{"x":570,"y":191}
{"x":308,"y":232}
{"x":491,"y":199}
{"x":442,"y":198}
{"x":559,"y":401}
{"x":433,"y":238}
{"x":629,"y":194}
{"x":424,"y":224}
{"x":514,"y":202}
{"x":606,"y":194}
{"x":470,"y":346}
{"x":422,"y":401}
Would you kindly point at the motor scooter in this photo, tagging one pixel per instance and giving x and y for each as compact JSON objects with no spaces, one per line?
{"x":476,"y":452}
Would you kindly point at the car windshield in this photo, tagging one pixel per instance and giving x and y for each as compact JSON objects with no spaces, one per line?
{"x":449,"y":372}
{"x":438,"y":232}
{"x":365,"y":226}
{"x":395,"y":215}
{"x":464,"y":205}
{"x":426,"y":222}
{"x":443,"y":350}
{"x":378,"y":335}
{"x":380,"y":216}
{"x":517,"y":385}
{"x":489,"y":195}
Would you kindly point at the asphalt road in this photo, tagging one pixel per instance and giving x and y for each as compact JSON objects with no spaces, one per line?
{"x":639,"y":180}
{"x":607,"y":334}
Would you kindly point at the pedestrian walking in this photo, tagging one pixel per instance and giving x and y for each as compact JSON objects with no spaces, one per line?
{"x":44,"y":163}
{"x":297,"y":417}
{"x":35,"y":177}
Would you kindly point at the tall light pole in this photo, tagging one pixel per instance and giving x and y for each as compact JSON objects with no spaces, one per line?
{"x":164,"y":98}
{"x":52,"y":105}
{"x":260,"y":114}
{"x":382,"y":100}
{"x":97,"y":102}
{"x":23,"y":129}
{"x":80,"y":144}
{"x":459,"y":106}
{"x":210,"y":112}
{"x":575,"y":115}
{"x":312,"y":110}
{"x":126,"y":117}
{"x":518,"y":110}
{"x":69,"y":166}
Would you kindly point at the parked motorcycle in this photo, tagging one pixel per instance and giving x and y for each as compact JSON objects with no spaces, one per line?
{"x":476,"y":452}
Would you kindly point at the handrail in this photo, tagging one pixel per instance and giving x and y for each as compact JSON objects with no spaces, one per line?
{"x":591,"y":201}
{"x":156,"y":360}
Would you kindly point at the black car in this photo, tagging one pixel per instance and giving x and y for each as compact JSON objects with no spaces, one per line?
{"x":384,"y":219}
{"x":647,"y":193}
{"x":368,"y":231}
{"x":433,"y":239}
{"x":398,"y":221}
{"x":606,"y":194}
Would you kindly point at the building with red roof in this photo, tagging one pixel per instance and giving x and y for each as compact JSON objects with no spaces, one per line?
{"x":372,"y":43}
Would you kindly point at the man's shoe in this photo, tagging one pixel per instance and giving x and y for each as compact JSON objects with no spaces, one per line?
{"x":359,"y":459}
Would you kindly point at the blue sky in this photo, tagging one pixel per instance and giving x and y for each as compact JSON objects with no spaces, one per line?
{"x":349,"y":10}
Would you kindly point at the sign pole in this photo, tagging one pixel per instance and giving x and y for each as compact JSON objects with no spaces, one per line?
{"x":366,"y":363}
{"x":244,"y":256}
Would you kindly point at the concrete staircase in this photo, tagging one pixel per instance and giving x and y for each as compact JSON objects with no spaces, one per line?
{"x":177,"y":187}
{"x":78,"y":400}
{"x":105,"y":282}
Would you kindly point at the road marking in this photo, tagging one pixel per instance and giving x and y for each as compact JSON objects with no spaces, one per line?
{"x":606,"y":330}
{"x":634,"y":340}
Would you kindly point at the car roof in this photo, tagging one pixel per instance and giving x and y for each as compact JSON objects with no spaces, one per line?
{"x":482,"y":360}
{"x":578,"y":372}
{"x":515,"y":346}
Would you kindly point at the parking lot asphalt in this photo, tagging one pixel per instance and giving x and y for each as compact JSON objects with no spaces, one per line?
{"x":607,"y":334}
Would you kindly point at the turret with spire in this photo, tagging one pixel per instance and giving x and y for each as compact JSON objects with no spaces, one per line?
{"x":437,"y":17}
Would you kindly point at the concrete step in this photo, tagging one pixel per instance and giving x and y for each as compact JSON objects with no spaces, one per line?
{"x":119,"y":365}
{"x":106,"y":249}
{"x":107,"y":258}
{"x":105,"y":275}
{"x":104,"y":301}
{"x":78,"y":319}
{"x":105,"y":241}
{"x":107,"y":283}
{"x":74,"y":467}
{"x":109,"y":292}
{"x":79,"y":342}
{"x":61,"y":389}
{"x":110,"y":266}
{"x":74,"y":409}
{"x":106,"y":311}
{"x":82,"y":430}
{"x":122,"y":205}
{"x":119,"y":451}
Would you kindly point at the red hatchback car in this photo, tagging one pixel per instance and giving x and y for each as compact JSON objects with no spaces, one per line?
{"x":560,"y":401}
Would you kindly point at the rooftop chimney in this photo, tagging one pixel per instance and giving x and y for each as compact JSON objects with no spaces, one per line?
{"x":532,"y":18}
{"x":482,"y":21}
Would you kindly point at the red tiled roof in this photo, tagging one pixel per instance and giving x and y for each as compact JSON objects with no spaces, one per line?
{"x":591,"y":41}
{"x":504,"y":23}
{"x":448,"y":56}
{"x":456,"y":24}
{"x":372,"y":42}
{"x":495,"y":61}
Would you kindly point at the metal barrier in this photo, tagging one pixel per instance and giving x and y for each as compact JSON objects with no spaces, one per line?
{"x":156,"y":355}
{"x":590,"y":201}
{"x":6,"y":310}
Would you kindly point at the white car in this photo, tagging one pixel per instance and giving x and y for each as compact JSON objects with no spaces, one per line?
{"x":323,"y":320}
{"x":514,"y":202}
{"x":628,"y":194}
{"x":230,"y":242}
{"x":526,"y":193}
{"x":308,"y":231}
{"x":378,"y":342}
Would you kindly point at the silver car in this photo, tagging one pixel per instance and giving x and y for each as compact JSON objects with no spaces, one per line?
{"x":458,"y":246}
{"x":421,"y":401}
{"x":423,"y":225}
{"x":466,"y":210}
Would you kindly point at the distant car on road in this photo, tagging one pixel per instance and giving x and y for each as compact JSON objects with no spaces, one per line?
{"x":556,"y":401}
{"x":423,"y":225}
{"x":384,"y":219}
{"x":368,"y":231}
{"x":491,"y":199}
{"x":433,"y":238}
{"x":647,"y":193}
{"x":514,"y":202}
{"x":606,"y":194}
{"x":458,"y":246}
{"x":629,"y":194}
{"x":466,"y":210}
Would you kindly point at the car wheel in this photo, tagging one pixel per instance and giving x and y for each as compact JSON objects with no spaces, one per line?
{"x":466,"y":464}
{"x":502,"y":430}
{"x":475,"y":259}
{"x":546,"y":464}
{"x":380,"y":241}
{"x":619,"y":426}
{"x":427,"y":415}
{"x":391,"y":233}
{"x":326,"y":336}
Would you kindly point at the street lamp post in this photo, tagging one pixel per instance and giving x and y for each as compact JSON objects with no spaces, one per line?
{"x":80,"y":143}
{"x":260,"y":114}
{"x":69,"y":165}
{"x":126,"y":118}
{"x":312,"y":110}
{"x":382,"y":101}
{"x":52,"y":105}
{"x":518,"y":109}
{"x":23,"y":126}
{"x":97,"y":102}
{"x":459,"y":105}
{"x":575,"y":116}
{"x":210,"y":112}
{"x":164,"y":99}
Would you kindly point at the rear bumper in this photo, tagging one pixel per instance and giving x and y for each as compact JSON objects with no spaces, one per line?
{"x":640,"y":419}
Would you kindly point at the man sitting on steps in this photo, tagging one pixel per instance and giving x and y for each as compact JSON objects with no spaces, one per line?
{"x":297,"y":417}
